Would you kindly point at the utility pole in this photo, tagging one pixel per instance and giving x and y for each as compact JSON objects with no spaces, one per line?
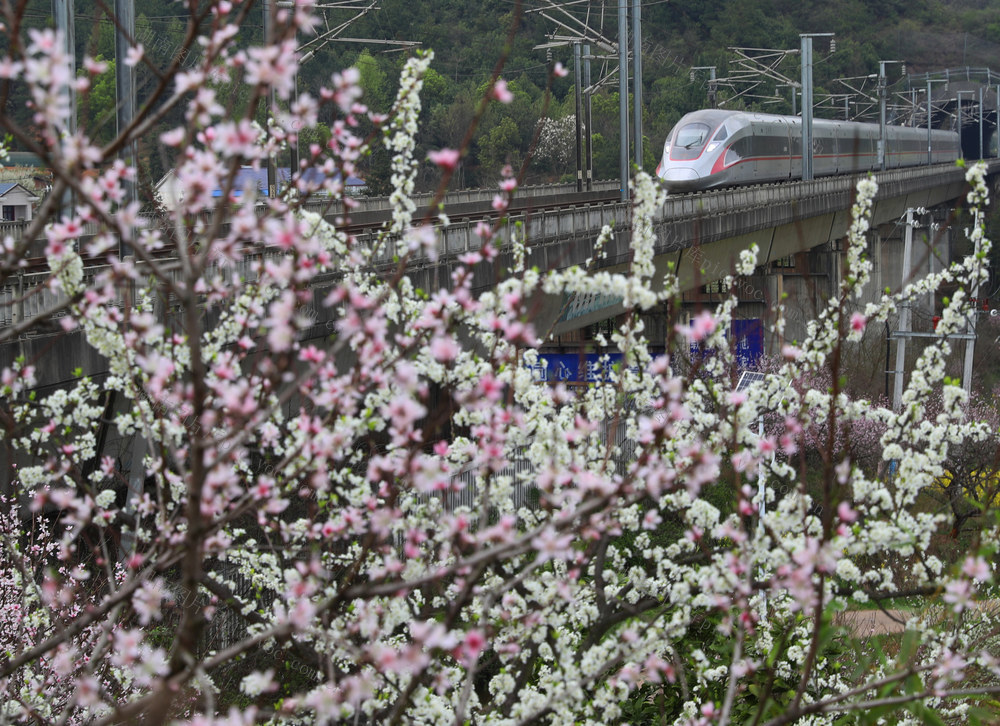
{"x":64,"y":12}
{"x":904,"y":316}
{"x":970,"y":343}
{"x":623,"y":96}
{"x":578,"y":89}
{"x":637,"y":80}
{"x":712,"y":82}
{"x":272,"y":174}
{"x":125,"y":92}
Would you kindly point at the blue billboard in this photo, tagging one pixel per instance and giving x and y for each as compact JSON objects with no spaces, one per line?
{"x":575,"y":367}
{"x":746,"y":336}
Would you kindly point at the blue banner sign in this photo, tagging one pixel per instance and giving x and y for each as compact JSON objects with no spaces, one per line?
{"x":746,"y":336}
{"x":575,"y":367}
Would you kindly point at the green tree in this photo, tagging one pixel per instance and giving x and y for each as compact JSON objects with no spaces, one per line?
{"x":500,"y":146}
{"x":96,"y":106}
{"x":374,"y":81}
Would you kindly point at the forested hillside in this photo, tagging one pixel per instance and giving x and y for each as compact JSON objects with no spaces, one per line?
{"x":468,"y":39}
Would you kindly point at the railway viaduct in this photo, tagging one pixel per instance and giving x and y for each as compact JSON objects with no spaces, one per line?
{"x":798,"y":228}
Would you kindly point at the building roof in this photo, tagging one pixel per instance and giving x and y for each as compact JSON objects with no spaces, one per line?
{"x":7,"y":187}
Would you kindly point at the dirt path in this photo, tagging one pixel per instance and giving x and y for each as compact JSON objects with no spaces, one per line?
{"x":865,"y":623}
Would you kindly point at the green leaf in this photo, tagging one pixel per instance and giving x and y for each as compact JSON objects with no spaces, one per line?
{"x":908,"y":647}
{"x":926,"y":715}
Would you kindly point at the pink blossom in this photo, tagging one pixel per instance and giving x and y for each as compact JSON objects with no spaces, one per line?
{"x":134,"y":55}
{"x":423,"y":240}
{"x":444,"y":349}
{"x":958,"y":594}
{"x":701,"y":327}
{"x":484,"y":230}
{"x":846,"y":512}
{"x":501,"y":93}
{"x":651,"y":520}
{"x":10,"y":68}
{"x":790,"y":352}
{"x":950,"y":668}
{"x":445,"y":158}
{"x":473,"y":644}
{"x":858,"y":322}
{"x":977,"y":568}
{"x":549,"y":544}
{"x":93,"y":66}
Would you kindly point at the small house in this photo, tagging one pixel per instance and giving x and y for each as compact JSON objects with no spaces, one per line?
{"x":16,"y":202}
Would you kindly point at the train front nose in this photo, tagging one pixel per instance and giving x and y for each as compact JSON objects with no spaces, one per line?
{"x":679,"y":174}
{"x":677,"y":178}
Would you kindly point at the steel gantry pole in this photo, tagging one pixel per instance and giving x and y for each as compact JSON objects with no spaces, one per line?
{"x":982,"y":154}
{"x":882,"y":92}
{"x":623,"y":96}
{"x":637,"y":81}
{"x":929,"y":114}
{"x":881,"y":115}
{"x":807,"y":101}
{"x":807,"y":108}
{"x":586,"y":128}
{"x":961,"y":120}
{"x":577,"y":92}
{"x":930,"y":117}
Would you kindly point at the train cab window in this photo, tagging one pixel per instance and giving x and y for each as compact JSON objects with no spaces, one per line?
{"x":690,"y":141}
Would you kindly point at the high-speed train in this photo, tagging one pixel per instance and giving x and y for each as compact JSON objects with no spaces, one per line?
{"x":715,"y":148}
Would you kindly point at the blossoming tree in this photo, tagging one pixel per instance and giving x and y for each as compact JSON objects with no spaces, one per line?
{"x":400,"y":523}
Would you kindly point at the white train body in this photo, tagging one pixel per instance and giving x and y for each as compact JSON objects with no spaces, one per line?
{"x":716,"y":148}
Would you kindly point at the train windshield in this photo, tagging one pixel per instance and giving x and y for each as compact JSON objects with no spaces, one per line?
{"x":690,"y":141}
